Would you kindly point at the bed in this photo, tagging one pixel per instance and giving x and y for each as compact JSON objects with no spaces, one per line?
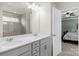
{"x":72,"y":36}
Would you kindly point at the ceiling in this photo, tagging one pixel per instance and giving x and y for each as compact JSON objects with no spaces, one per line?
{"x":22,"y":7}
{"x":68,"y":6}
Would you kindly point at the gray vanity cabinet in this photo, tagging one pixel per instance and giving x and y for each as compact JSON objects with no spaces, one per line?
{"x":26,"y":54}
{"x":18,"y":51}
{"x":44,"y":47}
{"x":41,"y":47}
{"x":35,"y":48}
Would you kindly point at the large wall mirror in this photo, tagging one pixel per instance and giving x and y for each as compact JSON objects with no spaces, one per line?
{"x":17,"y":19}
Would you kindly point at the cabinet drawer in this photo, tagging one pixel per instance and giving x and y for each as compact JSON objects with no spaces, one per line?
{"x":35,"y":44}
{"x":17,"y":51}
{"x":44,"y":40}
{"x":35,"y":50}
{"x":26,"y":54}
{"x":36,"y":54}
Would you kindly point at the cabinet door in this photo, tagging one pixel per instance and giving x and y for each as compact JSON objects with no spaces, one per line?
{"x":36,"y":54}
{"x":44,"y":49}
{"x":17,"y":51}
{"x":26,"y":54}
{"x":35,"y":50}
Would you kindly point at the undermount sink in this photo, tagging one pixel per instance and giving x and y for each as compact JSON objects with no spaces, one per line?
{"x":9,"y":44}
{"x":14,"y":42}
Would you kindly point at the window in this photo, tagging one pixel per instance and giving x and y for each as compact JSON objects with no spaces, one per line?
{"x":4,"y":22}
{"x":11,"y":26}
{"x":10,"y":19}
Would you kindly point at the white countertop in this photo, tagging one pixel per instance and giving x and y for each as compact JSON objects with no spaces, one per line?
{"x":20,"y":40}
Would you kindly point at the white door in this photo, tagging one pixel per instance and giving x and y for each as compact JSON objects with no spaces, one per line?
{"x":56,"y":31}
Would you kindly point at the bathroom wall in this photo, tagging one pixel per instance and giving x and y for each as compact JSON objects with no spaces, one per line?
{"x":45,"y":18}
{"x":41,"y":19}
{"x":1,"y":26}
{"x":35,"y":22}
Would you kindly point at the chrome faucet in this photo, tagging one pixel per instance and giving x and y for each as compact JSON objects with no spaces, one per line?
{"x":35,"y":34}
{"x":9,"y":39}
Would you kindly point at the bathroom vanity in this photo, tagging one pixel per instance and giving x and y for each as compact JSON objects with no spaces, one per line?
{"x":26,"y":46}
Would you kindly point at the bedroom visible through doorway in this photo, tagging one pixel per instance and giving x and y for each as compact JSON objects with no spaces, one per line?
{"x":69,"y":35}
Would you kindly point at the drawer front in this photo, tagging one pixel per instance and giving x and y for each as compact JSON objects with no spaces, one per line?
{"x":26,"y":54}
{"x":35,"y":50}
{"x":44,"y":40}
{"x":17,"y":51}
{"x":36,"y":54}
{"x":35,"y":44}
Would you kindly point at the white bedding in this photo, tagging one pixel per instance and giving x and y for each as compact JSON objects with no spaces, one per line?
{"x":71,"y":36}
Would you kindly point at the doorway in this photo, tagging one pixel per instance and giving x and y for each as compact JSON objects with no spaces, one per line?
{"x":69,"y":36}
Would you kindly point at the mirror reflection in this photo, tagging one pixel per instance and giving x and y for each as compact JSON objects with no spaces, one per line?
{"x":16,"y":19}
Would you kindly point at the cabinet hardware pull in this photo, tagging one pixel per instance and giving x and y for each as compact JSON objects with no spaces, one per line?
{"x":45,"y":47}
{"x":35,"y":44}
{"x":35,"y":50}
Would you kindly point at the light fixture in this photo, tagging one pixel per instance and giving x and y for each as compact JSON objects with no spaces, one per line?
{"x":38,"y":7}
{"x":30,"y":7}
{"x":34,"y":7}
